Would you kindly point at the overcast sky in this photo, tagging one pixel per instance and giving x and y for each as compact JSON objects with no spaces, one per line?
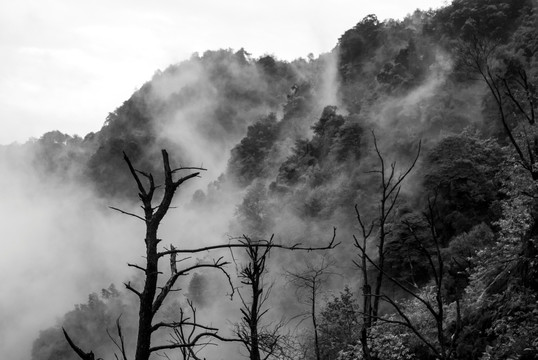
{"x":65,"y":64}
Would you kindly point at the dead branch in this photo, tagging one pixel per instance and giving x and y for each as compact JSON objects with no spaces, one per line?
{"x":129,"y":287}
{"x":121,"y":344}
{"x":188,"y":168}
{"x":181,"y":323}
{"x":173,"y":262}
{"x":398,"y":283}
{"x":260,"y":244}
{"x":81,"y":354}
{"x":127,"y":213}
{"x":311,"y":280}
{"x":137,"y":267}
{"x":194,"y":342}
{"x":217,"y":264}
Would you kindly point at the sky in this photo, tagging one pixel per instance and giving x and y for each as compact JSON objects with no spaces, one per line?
{"x":65,"y":64}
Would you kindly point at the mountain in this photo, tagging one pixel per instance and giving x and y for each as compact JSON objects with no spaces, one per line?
{"x":292,"y":147}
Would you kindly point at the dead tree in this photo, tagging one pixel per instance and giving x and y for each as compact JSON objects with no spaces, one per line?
{"x":187,"y":329}
{"x":390,"y":183}
{"x":442,"y":346}
{"x":366,"y":287}
{"x":249,"y":329}
{"x":259,"y":338}
{"x":311,"y":280}
{"x":511,"y":88}
{"x":514,"y":94}
{"x":152,"y":296}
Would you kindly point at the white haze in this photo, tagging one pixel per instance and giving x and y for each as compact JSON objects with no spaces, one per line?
{"x":61,"y":243}
{"x":66,"y":64}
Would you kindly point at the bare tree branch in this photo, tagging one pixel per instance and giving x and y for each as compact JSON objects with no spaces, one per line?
{"x":121,"y":345}
{"x":129,"y":287}
{"x":194,"y":342}
{"x":260,"y":244}
{"x":81,"y":354}
{"x":127,"y":213}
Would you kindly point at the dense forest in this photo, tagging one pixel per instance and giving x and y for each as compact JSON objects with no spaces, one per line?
{"x":415,"y":139}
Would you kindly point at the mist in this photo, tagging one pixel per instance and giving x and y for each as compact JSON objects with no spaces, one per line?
{"x":69,"y":243}
{"x":61,"y":243}
{"x":287,"y":152}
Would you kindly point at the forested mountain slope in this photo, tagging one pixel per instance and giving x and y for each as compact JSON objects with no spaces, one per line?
{"x":443,"y":100}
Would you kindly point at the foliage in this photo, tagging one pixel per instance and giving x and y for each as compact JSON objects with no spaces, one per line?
{"x":293,"y":151}
{"x":461,"y":255}
{"x":461,"y":170}
{"x":484,"y":18}
{"x":338,"y":322}
{"x":255,"y":213}
{"x":386,"y":341}
{"x":250,"y":158}
{"x":88,"y":323}
{"x":336,"y":138}
{"x":58,"y":153}
{"x":515,"y":328}
{"x":407,"y":69}
{"x":357,"y":43}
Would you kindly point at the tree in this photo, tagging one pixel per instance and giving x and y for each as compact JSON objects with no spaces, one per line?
{"x":150,"y":300}
{"x":250,"y":158}
{"x":310,"y":281}
{"x":152,"y":297}
{"x":509,"y":85}
{"x":338,"y":324}
{"x":355,"y":44}
{"x":255,"y":213}
{"x":514,"y":93}
{"x":100,"y":312}
{"x":463,"y":170}
{"x":390,"y":186}
{"x":432,"y":300}
{"x":257,"y":337}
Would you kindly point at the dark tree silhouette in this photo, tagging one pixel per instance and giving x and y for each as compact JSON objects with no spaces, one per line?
{"x":510,"y":86}
{"x":151,"y":297}
{"x":390,"y":186}
{"x":259,"y":338}
{"x":442,"y":346}
{"x":309,"y":281}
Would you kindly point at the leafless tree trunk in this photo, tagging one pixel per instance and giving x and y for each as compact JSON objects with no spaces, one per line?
{"x":311,"y":280}
{"x":259,"y":338}
{"x":443,"y":347}
{"x":477,"y":56}
{"x":511,"y":87}
{"x":251,"y":275}
{"x":366,"y":288}
{"x":390,"y":185}
{"x":152,"y":297}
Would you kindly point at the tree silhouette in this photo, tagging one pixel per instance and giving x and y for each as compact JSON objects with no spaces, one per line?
{"x":151,"y":297}
{"x":390,"y":186}
{"x":308,"y":283}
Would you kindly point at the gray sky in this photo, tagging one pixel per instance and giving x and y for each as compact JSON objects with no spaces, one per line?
{"x":65,"y":64}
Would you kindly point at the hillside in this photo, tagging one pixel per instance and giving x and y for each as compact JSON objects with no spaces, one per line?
{"x":416,"y":139}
